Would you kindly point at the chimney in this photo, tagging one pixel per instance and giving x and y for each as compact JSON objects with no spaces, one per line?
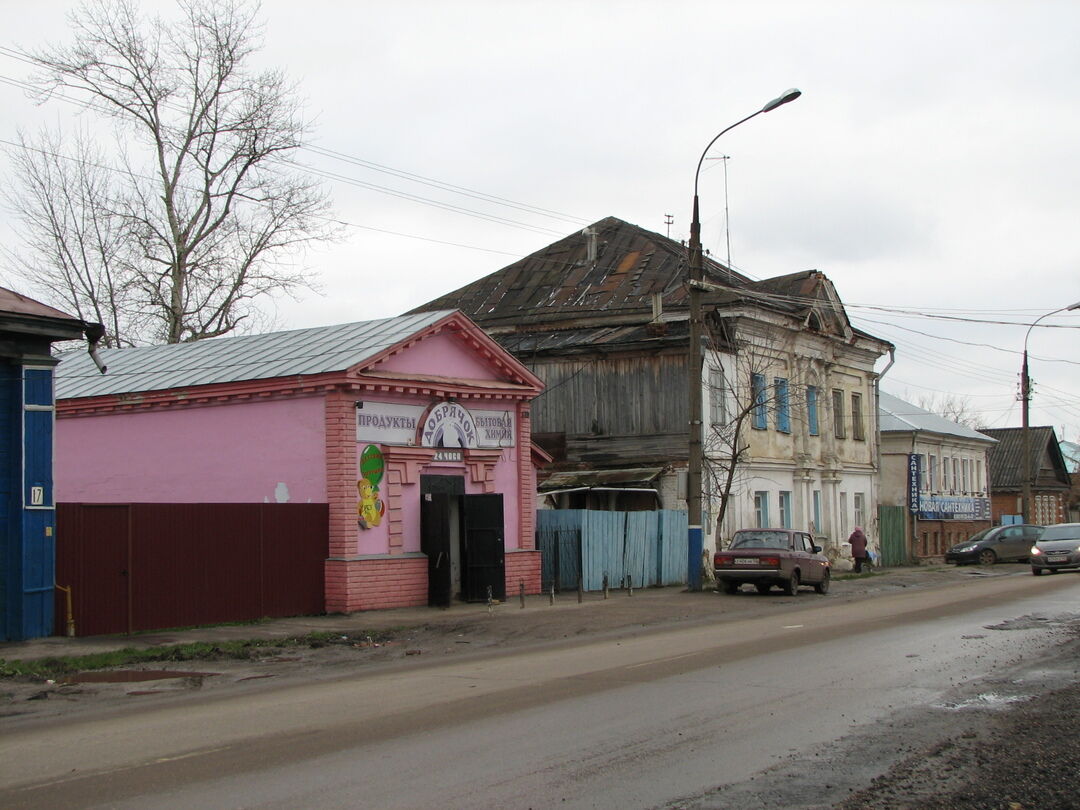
{"x":657,"y":326}
{"x":590,"y":235}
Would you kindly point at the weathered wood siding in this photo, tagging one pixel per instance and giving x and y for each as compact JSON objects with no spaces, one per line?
{"x":636,"y":395}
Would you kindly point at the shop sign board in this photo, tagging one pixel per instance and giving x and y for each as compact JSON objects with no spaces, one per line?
{"x":444,"y":424}
{"x":914,"y":482}
{"x":940,"y":507}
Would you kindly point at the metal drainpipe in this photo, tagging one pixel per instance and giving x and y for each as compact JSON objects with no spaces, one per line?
{"x":876,"y":459}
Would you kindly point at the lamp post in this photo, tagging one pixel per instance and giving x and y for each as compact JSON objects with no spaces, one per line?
{"x":695,"y":362}
{"x":1025,"y":395}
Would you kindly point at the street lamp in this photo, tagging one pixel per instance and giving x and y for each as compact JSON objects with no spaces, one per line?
{"x":1025,"y":396}
{"x":695,"y":362}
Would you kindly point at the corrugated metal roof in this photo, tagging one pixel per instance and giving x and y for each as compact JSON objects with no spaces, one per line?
{"x":895,"y":414}
{"x":299,"y":352}
{"x":1007,"y":458}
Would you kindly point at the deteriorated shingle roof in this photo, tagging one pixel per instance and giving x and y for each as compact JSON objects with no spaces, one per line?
{"x":298,"y":352}
{"x":1006,"y":458}
{"x":608,"y":274}
{"x":618,"y":274}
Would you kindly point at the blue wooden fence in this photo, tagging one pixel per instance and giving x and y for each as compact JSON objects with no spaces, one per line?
{"x":647,"y":547}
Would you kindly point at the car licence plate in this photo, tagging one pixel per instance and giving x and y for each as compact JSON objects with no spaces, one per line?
{"x":745,"y":561}
{"x":1057,"y":557}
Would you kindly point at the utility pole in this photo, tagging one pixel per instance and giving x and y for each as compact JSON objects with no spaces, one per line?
{"x":695,"y":363}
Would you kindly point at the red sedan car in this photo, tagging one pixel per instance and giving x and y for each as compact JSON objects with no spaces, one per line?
{"x":767,"y":557}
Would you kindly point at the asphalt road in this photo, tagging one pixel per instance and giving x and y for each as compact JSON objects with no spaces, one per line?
{"x":663,"y":718}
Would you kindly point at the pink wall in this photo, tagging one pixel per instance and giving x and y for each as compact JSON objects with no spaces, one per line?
{"x":443,"y":355}
{"x":250,"y":452}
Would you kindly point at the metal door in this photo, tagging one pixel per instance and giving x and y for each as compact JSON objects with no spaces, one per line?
{"x":484,"y":547}
{"x":435,"y":543}
{"x":101,"y":570}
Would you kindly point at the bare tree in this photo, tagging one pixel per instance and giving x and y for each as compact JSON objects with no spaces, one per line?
{"x":70,"y":233}
{"x":953,"y":407}
{"x":190,"y":224}
{"x":748,"y":389}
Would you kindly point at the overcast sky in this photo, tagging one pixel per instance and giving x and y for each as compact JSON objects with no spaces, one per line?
{"x":929,"y":169}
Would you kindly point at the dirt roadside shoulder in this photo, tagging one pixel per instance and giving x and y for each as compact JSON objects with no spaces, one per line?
{"x":317,"y":647}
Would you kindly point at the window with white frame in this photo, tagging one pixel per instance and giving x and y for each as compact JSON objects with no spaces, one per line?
{"x":761,"y":508}
{"x":785,"y":509}
{"x":859,"y":504}
{"x":933,"y":474}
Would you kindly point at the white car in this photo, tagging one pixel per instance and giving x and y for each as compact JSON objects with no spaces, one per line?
{"x":1058,"y":549}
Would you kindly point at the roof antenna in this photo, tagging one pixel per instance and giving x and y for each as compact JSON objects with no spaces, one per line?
{"x":668,"y":220}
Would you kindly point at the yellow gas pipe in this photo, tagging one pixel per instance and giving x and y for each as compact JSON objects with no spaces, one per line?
{"x":70,"y":613}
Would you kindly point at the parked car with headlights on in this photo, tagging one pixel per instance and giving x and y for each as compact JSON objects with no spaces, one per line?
{"x":1058,"y":549}
{"x":998,"y":544}
{"x":767,"y":557}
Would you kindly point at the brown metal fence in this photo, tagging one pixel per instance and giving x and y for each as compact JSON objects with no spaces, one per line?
{"x":141,"y":566}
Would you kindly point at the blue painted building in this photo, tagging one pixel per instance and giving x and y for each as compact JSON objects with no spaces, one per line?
{"x":27,"y":510}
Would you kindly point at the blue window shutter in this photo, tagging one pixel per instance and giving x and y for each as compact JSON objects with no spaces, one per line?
{"x":783,"y":409}
{"x":757,"y":388}
{"x":811,"y":409}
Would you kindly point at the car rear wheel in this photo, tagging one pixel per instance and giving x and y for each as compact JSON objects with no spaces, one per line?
{"x":823,"y":586}
{"x":791,"y":587}
{"x":763,"y":587}
{"x":987,"y":557}
{"x":731,"y":587}
{"x":1036,"y":571}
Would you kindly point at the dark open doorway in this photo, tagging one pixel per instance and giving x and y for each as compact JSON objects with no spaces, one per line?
{"x":462,"y":536}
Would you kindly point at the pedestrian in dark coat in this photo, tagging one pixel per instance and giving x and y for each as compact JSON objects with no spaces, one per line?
{"x":858,"y":549}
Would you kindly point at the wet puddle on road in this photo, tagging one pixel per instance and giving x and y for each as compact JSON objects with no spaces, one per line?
{"x":133,"y":676}
{"x":987,"y":700}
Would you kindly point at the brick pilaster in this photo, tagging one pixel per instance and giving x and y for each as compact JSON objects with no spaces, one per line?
{"x":341,"y":473}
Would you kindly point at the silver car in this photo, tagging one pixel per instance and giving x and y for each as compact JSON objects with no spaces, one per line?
{"x":1058,"y":549}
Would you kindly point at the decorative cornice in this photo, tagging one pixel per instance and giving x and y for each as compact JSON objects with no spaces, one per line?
{"x":292,"y":387}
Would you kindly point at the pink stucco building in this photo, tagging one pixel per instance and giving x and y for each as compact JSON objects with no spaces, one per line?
{"x":414,"y":430}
